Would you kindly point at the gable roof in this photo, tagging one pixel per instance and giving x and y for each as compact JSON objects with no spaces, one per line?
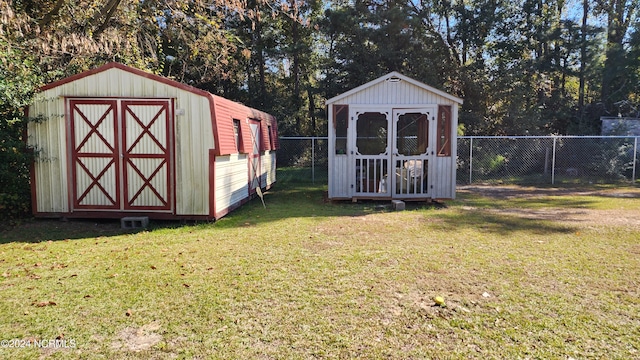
{"x":389,"y":76}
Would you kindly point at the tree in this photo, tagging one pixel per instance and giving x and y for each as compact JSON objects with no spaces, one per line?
{"x":620,"y":15}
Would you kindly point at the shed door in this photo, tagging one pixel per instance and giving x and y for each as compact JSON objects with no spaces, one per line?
{"x":146,"y":157}
{"x":413,"y":152}
{"x":392,"y":151}
{"x":121,"y":158}
{"x":370,"y":154}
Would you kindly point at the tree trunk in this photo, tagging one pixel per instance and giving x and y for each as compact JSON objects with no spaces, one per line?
{"x":583,"y":63}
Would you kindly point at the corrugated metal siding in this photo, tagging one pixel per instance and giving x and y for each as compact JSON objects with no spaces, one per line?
{"x":49,"y":140}
{"x":445,"y":166}
{"x":396,"y":93}
{"x":443,"y":182}
{"x":226,"y":111}
{"x":193,"y":137}
{"x":269,"y":167}
{"x":339,"y":181}
{"x":231,"y":180}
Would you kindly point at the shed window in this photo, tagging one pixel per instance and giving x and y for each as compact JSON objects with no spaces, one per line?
{"x":237,"y":135}
{"x":444,"y":130}
{"x":371,"y":132}
{"x":341,"y":123}
{"x":412,"y":137}
{"x":271,"y":147}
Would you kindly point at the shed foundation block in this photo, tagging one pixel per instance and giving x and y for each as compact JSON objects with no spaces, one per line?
{"x":134,"y":222}
{"x":397,"y":205}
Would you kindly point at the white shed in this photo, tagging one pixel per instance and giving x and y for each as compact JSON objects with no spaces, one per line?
{"x":393,"y":138}
{"x":118,"y":141}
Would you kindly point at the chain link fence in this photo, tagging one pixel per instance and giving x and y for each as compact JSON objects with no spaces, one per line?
{"x":308,"y":154}
{"x":526,"y":160}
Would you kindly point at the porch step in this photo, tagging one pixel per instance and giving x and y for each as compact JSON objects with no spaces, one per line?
{"x":134,"y":222}
{"x":397,"y":205}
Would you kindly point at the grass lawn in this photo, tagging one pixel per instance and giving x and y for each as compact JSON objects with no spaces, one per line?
{"x":525,"y":273}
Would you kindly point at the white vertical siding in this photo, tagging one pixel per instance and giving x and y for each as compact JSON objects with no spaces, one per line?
{"x":231,"y":180}
{"x":49,"y":140}
{"x":398,"y":93}
{"x":443,"y":186}
{"x":268,"y":168}
{"x":339,"y":181}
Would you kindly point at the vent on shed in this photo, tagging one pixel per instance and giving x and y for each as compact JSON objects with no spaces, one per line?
{"x":394,"y":79}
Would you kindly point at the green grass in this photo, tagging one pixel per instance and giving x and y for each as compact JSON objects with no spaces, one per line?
{"x":539,"y":275}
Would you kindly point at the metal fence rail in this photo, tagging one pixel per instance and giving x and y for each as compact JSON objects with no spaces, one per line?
{"x":506,"y":159}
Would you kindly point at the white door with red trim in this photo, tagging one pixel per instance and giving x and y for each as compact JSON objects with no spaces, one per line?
{"x":121,"y":154}
{"x":255,"y":169}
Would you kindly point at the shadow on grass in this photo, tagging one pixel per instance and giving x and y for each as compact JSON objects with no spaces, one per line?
{"x":38,"y":230}
{"x":294,"y":195}
{"x":499,"y":223}
{"x":533,"y":202}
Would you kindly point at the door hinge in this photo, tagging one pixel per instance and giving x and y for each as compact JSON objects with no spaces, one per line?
{"x":352,"y":186}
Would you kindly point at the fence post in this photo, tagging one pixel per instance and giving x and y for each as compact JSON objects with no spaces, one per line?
{"x":313,"y":160}
{"x":635,"y":157}
{"x":553,"y":162}
{"x":470,"y":160}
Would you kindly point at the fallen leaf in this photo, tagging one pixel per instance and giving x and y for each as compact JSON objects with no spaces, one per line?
{"x":153,"y":267}
{"x":186,"y":285}
{"x":45,"y":303}
{"x":87,"y":296}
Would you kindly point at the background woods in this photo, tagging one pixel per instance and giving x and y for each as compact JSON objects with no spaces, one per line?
{"x":523,"y":67}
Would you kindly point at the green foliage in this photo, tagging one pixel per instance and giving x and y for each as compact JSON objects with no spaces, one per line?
{"x":17,"y":83}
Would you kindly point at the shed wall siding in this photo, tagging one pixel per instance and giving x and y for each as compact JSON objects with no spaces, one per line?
{"x":269,"y":167}
{"x":193,"y":137}
{"x":231,"y":180}
{"x":339,"y":182}
{"x":443,"y":187}
{"x":49,"y":139}
{"x":226,"y":112}
{"x":395,"y":93}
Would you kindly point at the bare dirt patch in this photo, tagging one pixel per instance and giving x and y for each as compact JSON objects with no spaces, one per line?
{"x":143,"y":338}
{"x":610,"y":217}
